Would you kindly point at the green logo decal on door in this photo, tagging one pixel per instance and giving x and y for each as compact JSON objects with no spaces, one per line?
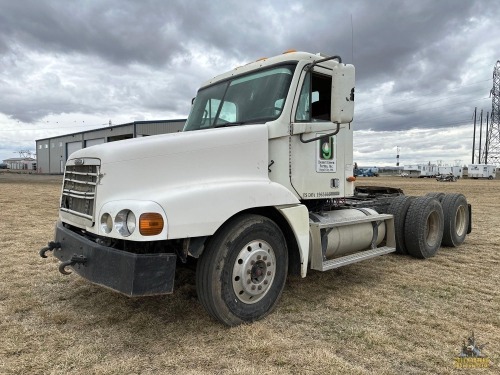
{"x":326,"y":148}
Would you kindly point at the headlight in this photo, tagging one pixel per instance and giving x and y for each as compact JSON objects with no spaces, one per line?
{"x":106,"y":223}
{"x":125,"y":222}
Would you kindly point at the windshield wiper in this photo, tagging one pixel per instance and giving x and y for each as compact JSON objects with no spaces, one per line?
{"x":253,"y":121}
{"x":229,"y":124}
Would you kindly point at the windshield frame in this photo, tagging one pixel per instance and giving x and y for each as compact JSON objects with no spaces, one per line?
{"x":257,"y":97}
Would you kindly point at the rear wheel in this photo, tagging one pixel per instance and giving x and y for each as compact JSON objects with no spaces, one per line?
{"x":242,"y":272}
{"x":424,"y":227}
{"x":456,"y":219}
{"x":399,"y":208}
{"x":437,"y":195}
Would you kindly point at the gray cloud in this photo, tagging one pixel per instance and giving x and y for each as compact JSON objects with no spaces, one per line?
{"x":419,"y":64}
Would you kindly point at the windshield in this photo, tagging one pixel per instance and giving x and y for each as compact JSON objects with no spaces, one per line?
{"x":256,"y":97}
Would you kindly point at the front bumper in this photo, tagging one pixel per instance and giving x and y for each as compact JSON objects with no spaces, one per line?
{"x":128,"y":273}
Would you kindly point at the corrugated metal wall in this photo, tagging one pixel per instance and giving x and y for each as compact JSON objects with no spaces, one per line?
{"x":51,"y":153}
{"x":155,"y":128}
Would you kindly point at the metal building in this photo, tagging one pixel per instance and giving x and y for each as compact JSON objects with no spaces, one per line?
{"x":52,"y":153}
{"x":25,"y":164}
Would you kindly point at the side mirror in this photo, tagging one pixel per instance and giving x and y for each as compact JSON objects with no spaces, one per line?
{"x":342,"y":93}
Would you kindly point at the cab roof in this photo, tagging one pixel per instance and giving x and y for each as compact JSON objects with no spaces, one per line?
{"x":263,"y":62}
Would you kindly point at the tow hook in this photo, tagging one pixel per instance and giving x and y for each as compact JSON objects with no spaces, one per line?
{"x":75,"y":259}
{"x":50,"y":246}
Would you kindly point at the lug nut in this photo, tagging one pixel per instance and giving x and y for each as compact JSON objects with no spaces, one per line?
{"x":253,"y":287}
{"x":268,"y":264}
{"x":252,"y":262}
{"x":266,"y":282}
{"x":260,"y":287}
{"x":258,"y":257}
{"x":268,"y":273}
{"x":264,"y":257}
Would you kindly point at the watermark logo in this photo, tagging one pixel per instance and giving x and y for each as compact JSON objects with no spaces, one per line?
{"x":471,"y":355}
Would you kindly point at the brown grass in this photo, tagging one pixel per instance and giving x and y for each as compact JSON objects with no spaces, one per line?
{"x":388,"y":315}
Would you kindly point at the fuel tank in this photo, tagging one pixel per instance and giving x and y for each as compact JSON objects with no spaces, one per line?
{"x":346,"y":236}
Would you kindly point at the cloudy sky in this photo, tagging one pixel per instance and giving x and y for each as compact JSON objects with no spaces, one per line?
{"x":421,"y":66}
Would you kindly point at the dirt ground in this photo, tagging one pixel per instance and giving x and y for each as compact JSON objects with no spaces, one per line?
{"x":388,"y":315}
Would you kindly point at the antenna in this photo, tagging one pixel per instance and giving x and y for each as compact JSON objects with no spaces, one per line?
{"x":352,"y":41}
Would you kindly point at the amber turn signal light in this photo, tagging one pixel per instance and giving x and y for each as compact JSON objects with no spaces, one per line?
{"x":150,"y":224}
{"x":351,"y":178}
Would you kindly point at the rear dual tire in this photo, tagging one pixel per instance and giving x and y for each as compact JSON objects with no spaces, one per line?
{"x":399,"y":208}
{"x":456,"y":219}
{"x":424,"y":227}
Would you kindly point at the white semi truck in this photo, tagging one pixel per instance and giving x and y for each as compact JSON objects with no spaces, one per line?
{"x":259,"y":185}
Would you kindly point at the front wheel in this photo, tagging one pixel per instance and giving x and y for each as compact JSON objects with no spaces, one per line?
{"x":241,"y":274}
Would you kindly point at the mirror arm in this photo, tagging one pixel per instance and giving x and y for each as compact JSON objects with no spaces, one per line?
{"x":311,"y":65}
{"x":322,"y":136}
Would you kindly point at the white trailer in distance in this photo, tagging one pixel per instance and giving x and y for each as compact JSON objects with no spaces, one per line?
{"x":428,"y":170}
{"x":455,"y":171}
{"x":482,"y":171}
{"x":259,"y":185}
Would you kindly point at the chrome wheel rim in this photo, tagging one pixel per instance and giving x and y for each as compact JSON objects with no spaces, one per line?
{"x":253,"y":271}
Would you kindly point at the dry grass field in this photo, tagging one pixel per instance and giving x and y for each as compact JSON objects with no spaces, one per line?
{"x":389,"y":315}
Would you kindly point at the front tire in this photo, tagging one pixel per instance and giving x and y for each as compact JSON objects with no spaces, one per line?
{"x":242,"y":272}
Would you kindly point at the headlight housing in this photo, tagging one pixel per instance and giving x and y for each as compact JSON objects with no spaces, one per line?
{"x":106,"y":223}
{"x":125,"y":222}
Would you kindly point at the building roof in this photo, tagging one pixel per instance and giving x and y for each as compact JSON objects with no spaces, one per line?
{"x":10,"y":160}
{"x":114,"y":127}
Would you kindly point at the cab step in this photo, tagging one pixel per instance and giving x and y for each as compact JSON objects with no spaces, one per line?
{"x":354,"y":258}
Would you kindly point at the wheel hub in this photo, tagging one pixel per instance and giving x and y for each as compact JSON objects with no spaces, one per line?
{"x":253,"y":271}
{"x":460,"y":220}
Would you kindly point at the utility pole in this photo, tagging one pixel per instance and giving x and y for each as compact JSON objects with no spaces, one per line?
{"x":474,"y":136}
{"x":480,"y":136}
{"x":486,"y":145}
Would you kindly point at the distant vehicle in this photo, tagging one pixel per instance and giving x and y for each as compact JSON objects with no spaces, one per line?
{"x":4,"y":166}
{"x":404,"y":174}
{"x":446,"y":178}
{"x":366,"y":172}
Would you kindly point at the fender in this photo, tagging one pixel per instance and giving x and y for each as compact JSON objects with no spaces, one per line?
{"x":210,"y":205}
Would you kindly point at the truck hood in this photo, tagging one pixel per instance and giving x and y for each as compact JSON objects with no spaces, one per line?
{"x":135,"y":168}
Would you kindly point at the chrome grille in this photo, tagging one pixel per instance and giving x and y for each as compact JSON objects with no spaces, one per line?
{"x":79,"y":189}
